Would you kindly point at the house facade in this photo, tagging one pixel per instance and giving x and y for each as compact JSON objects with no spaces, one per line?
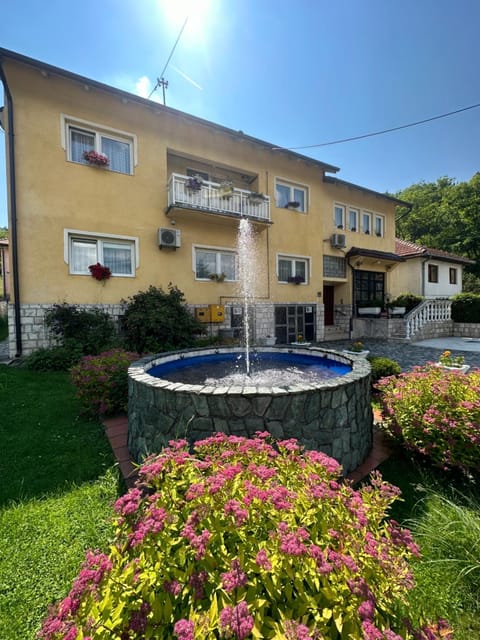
{"x":98,"y":175}
{"x":430,"y":273}
{"x":4,"y":270}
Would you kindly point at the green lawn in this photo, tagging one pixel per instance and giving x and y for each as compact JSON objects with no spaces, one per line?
{"x":57,"y":485}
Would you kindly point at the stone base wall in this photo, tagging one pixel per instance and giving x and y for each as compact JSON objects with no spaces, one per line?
{"x":334,"y":417}
{"x":466,"y":330}
{"x":34,"y":332}
{"x":436,"y":329}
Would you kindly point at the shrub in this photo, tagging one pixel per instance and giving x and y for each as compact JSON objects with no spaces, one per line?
{"x":157,"y":321}
{"x":244,"y":539}
{"x":93,"y":330}
{"x":407,"y":300}
{"x":435,"y":413}
{"x":466,"y":307}
{"x":3,"y":327}
{"x":383,"y":367}
{"x":102,"y":382}
{"x":54,"y":359}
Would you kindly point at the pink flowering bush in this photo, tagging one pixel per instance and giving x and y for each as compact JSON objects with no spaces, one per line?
{"x":246,"y":538}
{"x":101,"y":382}
{"x":435,"y":413}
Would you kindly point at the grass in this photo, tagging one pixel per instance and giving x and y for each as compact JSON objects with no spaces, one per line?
{"x":57,"y":485}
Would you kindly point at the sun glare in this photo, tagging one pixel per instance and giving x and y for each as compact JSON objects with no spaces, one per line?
{"x":195,"y":12}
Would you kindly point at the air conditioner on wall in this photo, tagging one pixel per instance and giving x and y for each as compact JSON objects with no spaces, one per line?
{"x":169,"y":238}
{"x":337,"y":241}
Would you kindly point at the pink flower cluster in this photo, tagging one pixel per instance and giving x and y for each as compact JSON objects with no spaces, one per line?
{"x":93,"y":157}
{"x":236,"y":621}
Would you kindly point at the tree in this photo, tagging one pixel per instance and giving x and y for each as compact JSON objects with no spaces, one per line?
{"x":3,"y":233}
{"x":445,"y":215}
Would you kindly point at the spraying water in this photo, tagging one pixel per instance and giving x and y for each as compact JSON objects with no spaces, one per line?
{"x":248,"y":274}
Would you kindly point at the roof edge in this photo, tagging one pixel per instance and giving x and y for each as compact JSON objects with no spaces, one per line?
{"x":344,"y":183}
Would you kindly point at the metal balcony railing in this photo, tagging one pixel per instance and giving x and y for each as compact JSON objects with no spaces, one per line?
{"x":213,"y":197}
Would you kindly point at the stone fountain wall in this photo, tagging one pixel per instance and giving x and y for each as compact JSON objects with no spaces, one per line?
{"x":334,"y":417}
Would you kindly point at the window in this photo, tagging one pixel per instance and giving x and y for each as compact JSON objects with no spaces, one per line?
{"x":366,"y":222}
{"x":191,"y":173}
{"x":432,"y":273}
{"x":453,"y":275}
{"x":211,"y":262}
{"x":79,"y":136}
{"x":379,"y":226}
{"x":369,"y":287}
{"x":353,"y":217}
{"x":334,"y":267}
{"x":118,"y":253}
{"x":339,"y":216}
{"x":291,"y":267}
{"x":286,"y":194}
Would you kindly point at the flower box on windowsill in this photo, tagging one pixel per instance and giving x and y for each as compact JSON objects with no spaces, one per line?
{"x":256,"y":198}
{"x":397,"y":311}
{"x":296,"y":279}
{"x":95,"y":159}
{"x":369,"y":311}
{"x":293,"y":205}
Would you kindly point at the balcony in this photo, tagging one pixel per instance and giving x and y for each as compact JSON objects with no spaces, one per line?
{"x":214,"y":198}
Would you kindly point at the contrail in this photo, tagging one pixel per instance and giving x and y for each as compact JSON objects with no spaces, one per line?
{"x":184,"y":75}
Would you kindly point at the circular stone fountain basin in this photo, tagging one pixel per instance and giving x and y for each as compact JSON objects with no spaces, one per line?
{"x":326,"y":408}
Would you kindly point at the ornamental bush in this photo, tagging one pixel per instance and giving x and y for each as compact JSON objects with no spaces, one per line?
{"x":435,"y":413}
{"x":383,"y":367}
{"x":466,"y":307}
{"x":102,"y":382}
{"x":245,"y":538}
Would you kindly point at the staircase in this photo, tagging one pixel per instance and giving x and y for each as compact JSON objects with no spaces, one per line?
{"x":332,"y":332}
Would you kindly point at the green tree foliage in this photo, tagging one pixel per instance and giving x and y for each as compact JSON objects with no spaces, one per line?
{"x":445,"y":215}
{"x":3,"y":233}
{"x":156,"y":321}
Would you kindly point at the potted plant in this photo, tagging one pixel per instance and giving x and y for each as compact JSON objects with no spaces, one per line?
{"x":194,"y":183}
{"x":100,"y":272}
{"x":408,"y":301}
{"x":371,"y":308}
{"x":292,"y":205}
{"x":269,"y":341}
{"x":225,"y":189}
{"x":452,"y":363}
{"x":296,"y":279}
{"x":397,"y":307}
{"x":256,"y":198}
{"x":218,"y":277}
{"x":95,"y":159}
{"x":357,"y":349}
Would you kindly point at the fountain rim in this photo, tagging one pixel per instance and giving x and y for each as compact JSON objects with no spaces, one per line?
{"x":138,"y":370}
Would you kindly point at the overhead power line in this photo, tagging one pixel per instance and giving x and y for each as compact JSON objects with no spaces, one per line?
{"x":161,"y":80}
{"x":379,"y":133}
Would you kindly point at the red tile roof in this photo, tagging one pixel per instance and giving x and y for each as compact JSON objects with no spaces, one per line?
{"x":408,"y":249}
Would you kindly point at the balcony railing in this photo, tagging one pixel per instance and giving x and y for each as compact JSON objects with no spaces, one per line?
{"x":212,"y":197}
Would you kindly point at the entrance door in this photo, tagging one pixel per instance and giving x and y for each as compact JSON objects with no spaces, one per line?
{"x":328,"y":304}
{"x":295,"y":322}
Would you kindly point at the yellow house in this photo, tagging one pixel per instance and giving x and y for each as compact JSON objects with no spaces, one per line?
{"x":98,"y":175}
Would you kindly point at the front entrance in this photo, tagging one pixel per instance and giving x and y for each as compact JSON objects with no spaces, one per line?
{"x":328,"y":305}
{"x":294,"y":323}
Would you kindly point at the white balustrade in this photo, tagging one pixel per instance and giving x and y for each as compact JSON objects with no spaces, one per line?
{"x":426,"y":312}
{"x":211,"y":196}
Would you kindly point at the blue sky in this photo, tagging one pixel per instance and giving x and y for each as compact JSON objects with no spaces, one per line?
{"x":293,"y":73}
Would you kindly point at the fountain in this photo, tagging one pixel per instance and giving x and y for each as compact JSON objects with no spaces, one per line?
{"x":319,"y":397}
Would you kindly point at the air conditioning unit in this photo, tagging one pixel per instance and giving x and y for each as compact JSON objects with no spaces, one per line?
{"x":169,"y":238}
{"x":337,"y":241}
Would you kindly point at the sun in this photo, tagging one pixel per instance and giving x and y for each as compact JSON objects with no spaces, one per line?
{"x":193,"y":16}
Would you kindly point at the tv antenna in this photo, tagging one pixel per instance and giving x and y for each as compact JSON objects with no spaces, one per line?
{"x":161,"y":82}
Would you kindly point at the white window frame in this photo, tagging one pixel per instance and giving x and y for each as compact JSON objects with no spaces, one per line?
{"x":355,"y":214}
{"x":293,"y":259}
{"x":67,"y":123}
{"x":100,"y":238}
{"x":283,"y":182}
{"x":379,"y":219}
{"x":219,"y":251}
{"x":366,"y":215}
{"x":339,"y":215}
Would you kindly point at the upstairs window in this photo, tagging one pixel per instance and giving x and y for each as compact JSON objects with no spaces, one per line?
{"x":366,"y":222}
{"x":80,"y":137}
{"x":339,"y":216}
{"x":353,"y":218}
{"x":291,"y":195}
{"x":379,"y":226}
{"x":453,"y":275}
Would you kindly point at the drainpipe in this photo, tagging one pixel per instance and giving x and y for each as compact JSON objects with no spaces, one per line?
{"x":13,"y":212}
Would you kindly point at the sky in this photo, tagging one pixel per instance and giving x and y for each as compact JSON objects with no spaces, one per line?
{"x":291,"y":72}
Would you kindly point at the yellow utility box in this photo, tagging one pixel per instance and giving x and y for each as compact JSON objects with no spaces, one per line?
{"x":217,"y":313}
{"x":202,"y":314}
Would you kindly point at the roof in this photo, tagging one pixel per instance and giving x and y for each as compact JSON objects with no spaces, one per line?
{"x":6,"y":54}
{"x":408,"y":249}
{"x":351,"y":185}
{"x":373,"y":253}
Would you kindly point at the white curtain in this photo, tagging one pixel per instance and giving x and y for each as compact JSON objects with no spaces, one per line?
{"x":84,"y":254}
{"x":118,"y":154}
{"x":118,"y":258}
{"x":80,"y":141}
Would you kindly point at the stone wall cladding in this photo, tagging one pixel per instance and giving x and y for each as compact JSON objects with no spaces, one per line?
{"x":334,"y":417}
{"x":466,"y":330}
{"x":34,"y":332}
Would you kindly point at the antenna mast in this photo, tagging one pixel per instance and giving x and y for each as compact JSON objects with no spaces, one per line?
{"x":161,"y":81}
